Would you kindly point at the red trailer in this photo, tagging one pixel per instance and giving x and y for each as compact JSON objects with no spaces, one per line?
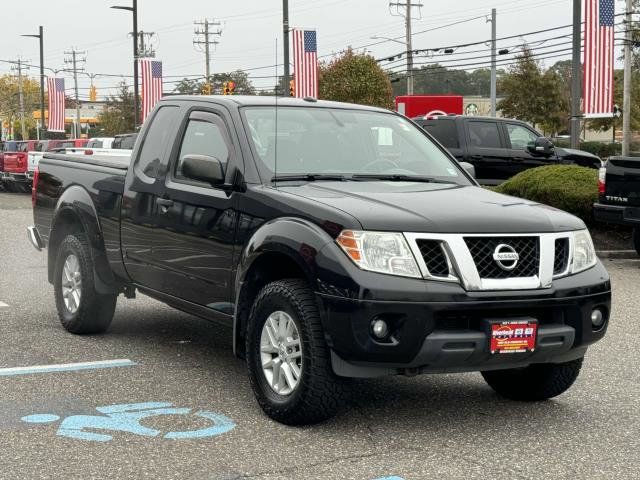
{"x":414,"y":106}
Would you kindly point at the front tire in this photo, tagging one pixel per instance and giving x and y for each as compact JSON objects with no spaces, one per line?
{"x":535,"y":382}
{"x":287,"y":356}
{"x":81,"y":309}
{"x":636,"y":239}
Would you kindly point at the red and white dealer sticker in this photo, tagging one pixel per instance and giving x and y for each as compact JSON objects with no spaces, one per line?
{"x":517,"y":336}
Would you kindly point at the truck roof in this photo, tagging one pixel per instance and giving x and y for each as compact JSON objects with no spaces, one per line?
{"x":263,"y":100}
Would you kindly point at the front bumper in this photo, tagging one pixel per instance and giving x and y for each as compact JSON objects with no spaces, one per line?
{"x":442,"y":328}
{"x":617,"y":214}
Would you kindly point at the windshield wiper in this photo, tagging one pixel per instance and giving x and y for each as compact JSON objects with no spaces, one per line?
{"x":396,"y":177}
{"x":309,"y":177}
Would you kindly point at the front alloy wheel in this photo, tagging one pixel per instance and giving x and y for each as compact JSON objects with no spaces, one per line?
{"x":281,"y":353}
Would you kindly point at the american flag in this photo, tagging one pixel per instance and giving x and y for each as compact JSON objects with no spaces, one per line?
{"x":598,"y":58}
{"x":305,"y":63}
{"x":55,"y":88}
{"x":151,"y":85}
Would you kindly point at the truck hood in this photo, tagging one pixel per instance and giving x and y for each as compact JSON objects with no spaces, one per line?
{"x":434,"y":208}
{"x":570,"y":153}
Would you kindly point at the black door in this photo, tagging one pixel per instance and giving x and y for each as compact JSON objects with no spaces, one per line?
{"x":519,"y":137}
{"x":144,"y":184}
{"x":194,"y":247}
{"x":487,"y":151}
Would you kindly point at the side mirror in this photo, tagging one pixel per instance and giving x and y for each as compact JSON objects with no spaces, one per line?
{"x":470,"y":169}
{"x":542,"y":147}
{"x":203,"y":168}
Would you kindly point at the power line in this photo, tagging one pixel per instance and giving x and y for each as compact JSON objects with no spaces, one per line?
{"x":74,"y":61}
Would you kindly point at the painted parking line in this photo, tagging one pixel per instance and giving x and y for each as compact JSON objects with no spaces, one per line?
{"x":3,"y":305}
{"x":66,"y":367}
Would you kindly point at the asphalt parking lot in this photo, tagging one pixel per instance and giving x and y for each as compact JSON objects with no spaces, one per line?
{"x":156,"y":360}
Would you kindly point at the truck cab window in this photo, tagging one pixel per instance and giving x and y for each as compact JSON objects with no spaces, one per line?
{"x":203,"y":138}
{"x":520,"y":136}
{"x":484,"y":135}
{"x":153,"y":146}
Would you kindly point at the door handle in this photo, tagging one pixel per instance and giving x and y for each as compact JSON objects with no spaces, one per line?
{"x":518,"y":159}
{"x":164,"y":204}
{"x":477,"y":157}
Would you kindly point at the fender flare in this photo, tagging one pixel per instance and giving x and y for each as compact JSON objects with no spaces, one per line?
{"x":298,"y":239}
{"x":76,"y":201}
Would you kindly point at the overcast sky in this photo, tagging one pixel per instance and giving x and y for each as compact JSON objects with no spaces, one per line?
{"x":251,"y":28}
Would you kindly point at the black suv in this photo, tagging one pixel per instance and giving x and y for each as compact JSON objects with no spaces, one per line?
{"x":500,"y":148}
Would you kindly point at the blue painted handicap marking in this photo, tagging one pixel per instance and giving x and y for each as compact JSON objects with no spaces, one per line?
{"x":127,"y":418}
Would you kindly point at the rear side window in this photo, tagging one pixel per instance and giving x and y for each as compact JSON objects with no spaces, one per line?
{"x":484,"y":135}
{"x":153,"y":146}
{"x":444,"y":131}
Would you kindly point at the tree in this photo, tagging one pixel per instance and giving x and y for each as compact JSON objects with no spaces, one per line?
{"x":355,"y":78}
{"x":118,"y":115}
{"x":10,"y":102}
{"x":532,"y":95}
{"x":604,"y":124}
{"x":436,"y":79}
{"x":244,"y":86}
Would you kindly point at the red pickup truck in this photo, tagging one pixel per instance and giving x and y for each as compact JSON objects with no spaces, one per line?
{"x":15,"y":166}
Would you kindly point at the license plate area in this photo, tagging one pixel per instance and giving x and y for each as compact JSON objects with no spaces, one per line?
{"x":515,"y":335}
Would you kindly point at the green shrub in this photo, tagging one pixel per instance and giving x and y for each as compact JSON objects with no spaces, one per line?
{"x":567,"y":187}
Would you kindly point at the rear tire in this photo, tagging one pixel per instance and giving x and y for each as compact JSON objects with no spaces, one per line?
{"x":319,"y":393}
{"x":535,"y":382}
{"x":636,"y":239}
{"x":81,"y":309}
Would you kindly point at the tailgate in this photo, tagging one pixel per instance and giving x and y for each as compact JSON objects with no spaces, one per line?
{"x":623,"y":180}
{"x":15,"y":162}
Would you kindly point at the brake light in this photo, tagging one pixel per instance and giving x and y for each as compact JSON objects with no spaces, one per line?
{"x":34,"y":186}
{"x":88,"y":151}
{"x":602,"y":180}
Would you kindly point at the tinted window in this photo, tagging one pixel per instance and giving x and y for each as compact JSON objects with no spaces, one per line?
{"x":203,"y":138}
{"x":484,"y":135}
{"x":520,"y":136}
{"x":128,"y":142}
{"x":444,"y":131}
{"x":154,"y":142}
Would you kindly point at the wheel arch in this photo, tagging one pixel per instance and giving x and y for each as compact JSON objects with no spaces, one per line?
{"x":75,"y":212}
{"x":281,"y":248}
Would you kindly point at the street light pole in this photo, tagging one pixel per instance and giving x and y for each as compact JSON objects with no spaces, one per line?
{"x":40,"y":37}
{"x":136,"y":102}
{"x":285,"y":31}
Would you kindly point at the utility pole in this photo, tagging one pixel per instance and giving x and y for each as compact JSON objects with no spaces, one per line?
{"x":145,"y":50}
{"x":203,"y":42}
{"x":136,"y":98}
{"x":576,"y":74}
{"x":409,"y":41}
{"x":494,"y":80}
{"x":40,"y":37}
{"x":285,"y":31}
{"x":626,"y":102}
{"x":74,"y":61}
{"x":19,"y":67}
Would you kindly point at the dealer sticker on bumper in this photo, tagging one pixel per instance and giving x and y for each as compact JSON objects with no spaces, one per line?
{"x":517,"y":336}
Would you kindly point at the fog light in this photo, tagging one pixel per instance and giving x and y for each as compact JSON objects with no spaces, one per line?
{"x":597,"y":319}
{"x":379,"y":328}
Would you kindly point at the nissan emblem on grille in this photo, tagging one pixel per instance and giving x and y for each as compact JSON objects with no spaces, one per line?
{"x":506,"y":257}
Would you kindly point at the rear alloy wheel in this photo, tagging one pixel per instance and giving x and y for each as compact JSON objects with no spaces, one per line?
{"x":636,"y":239}
{"x":81,"y":308}
{"x":537,"y":382}
{"x":287,"y":356}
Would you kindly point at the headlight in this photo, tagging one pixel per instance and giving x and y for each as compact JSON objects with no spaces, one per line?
{"x":384,"y":252}
{"x":584,"y":255}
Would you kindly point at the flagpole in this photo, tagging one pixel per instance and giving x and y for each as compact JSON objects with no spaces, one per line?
{"x":285,"y":30}
{"x":626,"y":102}
{"x":576,"y":74}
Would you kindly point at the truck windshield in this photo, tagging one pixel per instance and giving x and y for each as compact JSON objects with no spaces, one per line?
{"x":347,"y":142}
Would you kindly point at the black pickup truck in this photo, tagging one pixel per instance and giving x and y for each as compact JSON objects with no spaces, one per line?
{"x":335,"y":240}
{"x":619,"y":194}
{"x":500,"y":148}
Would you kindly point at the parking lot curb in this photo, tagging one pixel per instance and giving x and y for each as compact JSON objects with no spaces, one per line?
{"x":618,"y":254}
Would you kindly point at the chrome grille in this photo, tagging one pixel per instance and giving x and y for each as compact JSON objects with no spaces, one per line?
{"x":483,"y":248}
{"x":434,"y":257}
